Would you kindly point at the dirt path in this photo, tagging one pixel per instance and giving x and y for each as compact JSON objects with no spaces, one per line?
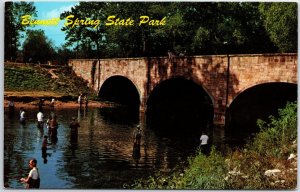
{"x":53,"y":75}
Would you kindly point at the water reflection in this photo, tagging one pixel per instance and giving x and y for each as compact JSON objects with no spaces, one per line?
{"x":136,"y":152}
{"x":44,"y":149}
{"x":120,"y":115}
{"x":103,"y":157}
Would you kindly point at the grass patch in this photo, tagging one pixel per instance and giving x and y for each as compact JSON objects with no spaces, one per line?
{"x":27,"y":79}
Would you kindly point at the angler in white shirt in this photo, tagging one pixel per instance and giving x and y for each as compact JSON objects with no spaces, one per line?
{"x":40,"y":118}
{"x":22,"y":115}
{"x":204,"y":143}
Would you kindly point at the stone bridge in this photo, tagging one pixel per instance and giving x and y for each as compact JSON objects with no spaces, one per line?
{"x":223,"y":77}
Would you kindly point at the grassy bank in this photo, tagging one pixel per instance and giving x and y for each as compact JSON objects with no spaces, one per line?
{"x":42,"y":81}
{"x":266,"y":162}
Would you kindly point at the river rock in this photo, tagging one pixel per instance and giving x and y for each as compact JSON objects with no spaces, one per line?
{"x":292,"y":156}
{"x":272,"y":172}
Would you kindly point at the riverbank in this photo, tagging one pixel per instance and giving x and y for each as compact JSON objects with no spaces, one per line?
{"x":267,"y":162}
{"x":58,"y":104}
{"x":31,"y":99}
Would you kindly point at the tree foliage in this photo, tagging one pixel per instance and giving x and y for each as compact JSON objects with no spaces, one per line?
{"x":88,"y":39}
{"x":13,"y":26}
{"x":63,"y":54}
{"x":37,"y":48}
{"x":280,"y":21}
{"x":196,"y":27}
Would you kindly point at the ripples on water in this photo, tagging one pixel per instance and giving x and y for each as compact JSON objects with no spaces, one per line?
{"x":102,"y":157}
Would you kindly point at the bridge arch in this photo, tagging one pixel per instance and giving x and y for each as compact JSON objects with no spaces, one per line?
{"x":257,"y":101}
{"x":254,"y":84}
{"x":120,"y":89}
{"x":180,"y":105}
{"x":188,"y":78}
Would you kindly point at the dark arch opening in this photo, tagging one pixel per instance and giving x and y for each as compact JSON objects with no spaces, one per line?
{"x":258,"y":102}
{"x":122,"y":91}
{"x":119,"y":90}
{"x":179,"y":107}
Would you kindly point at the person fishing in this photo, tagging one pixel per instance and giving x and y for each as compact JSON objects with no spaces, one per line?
{"x":22,"y":115}
{"x":74,"y":125}
{"x":204,"y":147}
{"x":33,"y":179}
{"x":40,"y":119}
{"x":53,"y":127}
{"x":137,"y":135}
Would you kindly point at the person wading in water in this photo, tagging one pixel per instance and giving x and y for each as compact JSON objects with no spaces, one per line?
{"x":33,"y":179}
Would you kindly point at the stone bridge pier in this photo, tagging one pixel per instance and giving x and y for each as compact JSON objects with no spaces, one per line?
{"x":223,"y":77}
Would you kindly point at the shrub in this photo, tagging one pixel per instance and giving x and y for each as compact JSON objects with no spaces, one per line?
{"x":275,"y":136}
{"x":205,"y":172}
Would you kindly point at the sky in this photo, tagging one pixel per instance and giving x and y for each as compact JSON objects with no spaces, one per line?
{"x":53,"y":9}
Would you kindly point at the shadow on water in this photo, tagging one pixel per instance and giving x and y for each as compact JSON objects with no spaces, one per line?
{"x":180,"y":110}
{"x":121,"y":114}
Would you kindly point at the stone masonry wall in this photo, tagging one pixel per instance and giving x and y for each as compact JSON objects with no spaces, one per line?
{"x":210,"y":72}
{"x":249,"y":70}
{"x":83,"y":69}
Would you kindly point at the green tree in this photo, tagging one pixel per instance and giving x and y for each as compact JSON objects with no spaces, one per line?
{"x":13,"y":26}
{"x":222,"y":28}
{"x":197,"y":27}
{"x":280,"y":20}
{"x":37,"y":48}
{"x":116,"y":41}
{"x":136,"y":40}
{"x":89,"y":39}
{"x":63,"y":54}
